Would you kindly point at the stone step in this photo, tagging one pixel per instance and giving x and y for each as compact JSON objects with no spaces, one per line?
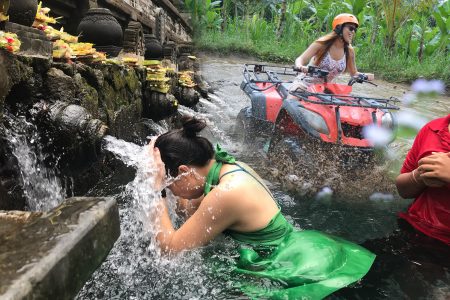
{"x":34,"y":42}
{"x":50,"y":255}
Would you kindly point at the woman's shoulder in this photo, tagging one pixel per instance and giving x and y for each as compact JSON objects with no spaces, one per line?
{"x":317,"y":45}
{"x":237,"y":180}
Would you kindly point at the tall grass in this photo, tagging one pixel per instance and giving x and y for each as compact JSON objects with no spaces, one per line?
{"x":258,"y":38}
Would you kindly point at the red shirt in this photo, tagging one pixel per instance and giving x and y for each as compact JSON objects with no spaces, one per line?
{"x":430,"y":211}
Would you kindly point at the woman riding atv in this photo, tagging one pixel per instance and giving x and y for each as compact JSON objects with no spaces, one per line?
{"x":332,"y":52}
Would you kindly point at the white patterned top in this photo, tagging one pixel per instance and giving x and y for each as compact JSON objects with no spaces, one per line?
{"x":335,"y":67}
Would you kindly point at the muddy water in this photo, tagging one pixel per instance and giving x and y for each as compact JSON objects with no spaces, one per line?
{"x":225,"y":74}
{"x":134,"y":270}
{"x":370,"y":219}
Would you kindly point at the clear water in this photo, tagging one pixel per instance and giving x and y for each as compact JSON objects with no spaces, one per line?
{"x":42,"y":188}
{"x":407,"y":267}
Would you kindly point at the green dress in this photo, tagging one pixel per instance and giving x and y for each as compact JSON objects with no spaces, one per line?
{"x":305,"y":264}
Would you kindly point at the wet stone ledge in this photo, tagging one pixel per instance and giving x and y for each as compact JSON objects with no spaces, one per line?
{"x":50,"y":255}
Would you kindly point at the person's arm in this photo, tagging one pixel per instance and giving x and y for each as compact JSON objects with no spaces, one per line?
{"x":351,"y":65}
{"x":433,"y":171}
{"x":302,"y":61}
{"x":187,"y":207}
{"x":410,"y":184}
{"x":213,"y":216}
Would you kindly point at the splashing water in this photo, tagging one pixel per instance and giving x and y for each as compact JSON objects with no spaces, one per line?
{"x":136,"y":270}
{"x":42,"y":189}
{"x":128,"y":153}
{"x":135,"y":267}
{"x":215,"y":116}
{"x":158,"y":127}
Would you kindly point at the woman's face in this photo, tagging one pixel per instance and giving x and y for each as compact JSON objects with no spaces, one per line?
{"x":349,"y":32}
{"x":188,"y":184}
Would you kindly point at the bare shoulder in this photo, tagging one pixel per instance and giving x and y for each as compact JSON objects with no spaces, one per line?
{"x":227,"y":191}
{"x":316,"y":46}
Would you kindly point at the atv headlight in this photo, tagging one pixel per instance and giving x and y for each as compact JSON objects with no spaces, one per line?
{"x":387,"y":121}
{"x":315,"y":121}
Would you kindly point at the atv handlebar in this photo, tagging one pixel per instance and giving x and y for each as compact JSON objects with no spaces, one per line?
{"x":319,"y":73}
{"x":360,"y":78}
{"x":313,"y":72}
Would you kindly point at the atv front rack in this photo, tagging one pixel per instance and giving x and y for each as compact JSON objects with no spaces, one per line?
{"x":347,"y":100}
{"x":253,"y":73}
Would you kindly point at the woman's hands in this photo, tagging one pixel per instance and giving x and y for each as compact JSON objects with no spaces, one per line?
{"x":303,"y":69}
{"x":364,"y":76}
{"x":370,"y":76}
{"x":157,"y":166}
{"x":434,"y":169}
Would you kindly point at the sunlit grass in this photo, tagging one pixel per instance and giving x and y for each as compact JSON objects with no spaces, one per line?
{"x":394,"y":67}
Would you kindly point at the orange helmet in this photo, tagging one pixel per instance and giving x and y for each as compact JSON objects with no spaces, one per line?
{"x":344,"y":18}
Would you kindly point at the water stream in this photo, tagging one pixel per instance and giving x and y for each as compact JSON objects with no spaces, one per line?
{"x":136,"y":270}
{"x":42,"y":188}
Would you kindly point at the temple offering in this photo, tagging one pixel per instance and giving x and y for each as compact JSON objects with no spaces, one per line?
{"x":9,"y":41}
{"x":42,"y":16}
{"x":61,"y":50}
{"x":185,"y":79}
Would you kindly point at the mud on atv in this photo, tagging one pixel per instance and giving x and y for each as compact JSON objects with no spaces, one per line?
{"x":320,"y":125}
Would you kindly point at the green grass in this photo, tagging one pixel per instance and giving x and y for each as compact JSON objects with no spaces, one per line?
{"x":391,"y":67}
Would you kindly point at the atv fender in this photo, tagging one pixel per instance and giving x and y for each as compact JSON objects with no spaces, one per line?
{"x":290,"y":108}
{"x":258,"y":100}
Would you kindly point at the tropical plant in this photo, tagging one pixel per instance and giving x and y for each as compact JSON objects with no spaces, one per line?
{"x":391,"y":32}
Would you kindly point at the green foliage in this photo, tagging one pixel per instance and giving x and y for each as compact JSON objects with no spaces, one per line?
{"x":399,"y":38}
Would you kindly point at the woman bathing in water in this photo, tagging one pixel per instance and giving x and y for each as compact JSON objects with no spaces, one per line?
{"x":220,"y":195}
{"x":332,"y":52}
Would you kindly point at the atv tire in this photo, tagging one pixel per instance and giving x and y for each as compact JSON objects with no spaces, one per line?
{"x":243,"y":127}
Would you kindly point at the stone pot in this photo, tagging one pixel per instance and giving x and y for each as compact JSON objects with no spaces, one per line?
{"x":187,"y":96}
{"x":185,"y":49}
{"x":22,"y":12}
{"x":169,"y":50}
{"x":100,"y":28}
{"x":185,"y":63}
{"x":158,"y":106}
{"x":153,"y":49}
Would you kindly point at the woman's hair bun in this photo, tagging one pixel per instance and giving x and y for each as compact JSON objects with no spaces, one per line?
{"x":191,"y":126}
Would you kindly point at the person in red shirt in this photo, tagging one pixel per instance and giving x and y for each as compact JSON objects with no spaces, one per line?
{"x":425,"y":176}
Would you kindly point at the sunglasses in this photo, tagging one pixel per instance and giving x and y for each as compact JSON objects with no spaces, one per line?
{"x":351,"y":28}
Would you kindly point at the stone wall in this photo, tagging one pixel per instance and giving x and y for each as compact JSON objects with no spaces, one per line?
{"x":143,"y":11}
{"x":73,"y":106}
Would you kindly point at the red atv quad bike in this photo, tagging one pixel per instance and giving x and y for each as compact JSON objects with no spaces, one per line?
{"x":325,"y":117}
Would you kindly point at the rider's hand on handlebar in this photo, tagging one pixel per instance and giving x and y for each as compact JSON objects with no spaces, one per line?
{"x":302,"y":69}
{"x":361,"y":77}
{"x":370,"y":76}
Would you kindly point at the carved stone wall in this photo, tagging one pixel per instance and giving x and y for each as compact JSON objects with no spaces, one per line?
{"x":144,"y":11}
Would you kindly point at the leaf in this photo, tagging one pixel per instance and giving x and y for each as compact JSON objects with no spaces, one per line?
{"x":414,"y":46}
{"x":440,"y":21}
{"x":358,"y":6}
{"x":215,"y":4}
{"x":431,"y":46}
